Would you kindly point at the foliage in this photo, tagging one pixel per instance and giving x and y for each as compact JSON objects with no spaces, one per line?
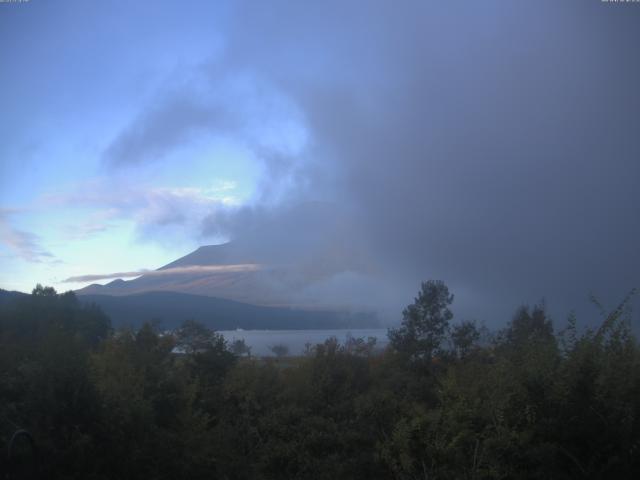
{"x":464,"y":337}
{"x":279,"y":350}
{"x":240,"y":348}
{"x":425,"y":322}
{"x":105,"y":404}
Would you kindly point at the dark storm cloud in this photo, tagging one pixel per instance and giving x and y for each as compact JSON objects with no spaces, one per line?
{"x":496,"y":148}
{"x":494,"y":145}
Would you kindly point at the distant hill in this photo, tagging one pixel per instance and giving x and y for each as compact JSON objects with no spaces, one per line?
{"x":7,"y":296}
{"x":171,"y":308}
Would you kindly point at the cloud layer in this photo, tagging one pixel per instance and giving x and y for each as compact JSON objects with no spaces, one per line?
{"x":493,"y":146}
{"x":190,"y":270}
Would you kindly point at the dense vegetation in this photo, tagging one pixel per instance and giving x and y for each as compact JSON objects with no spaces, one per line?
{"x":445,"y":400}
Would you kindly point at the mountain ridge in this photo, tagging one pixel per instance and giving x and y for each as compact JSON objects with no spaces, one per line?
{"x":172,"y":308}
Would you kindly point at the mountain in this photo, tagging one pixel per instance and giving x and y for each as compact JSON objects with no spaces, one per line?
{"x":266,"y":264}
{"x":7,"y":296}
{"x":224,"y":254}
{"x":242,"y":282}
{"x":171,"y":308}
{"x":193,"y":274}
{"x":263,"y":280}
{"x":226,"y":271}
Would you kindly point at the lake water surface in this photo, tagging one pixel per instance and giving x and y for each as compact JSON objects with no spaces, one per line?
{"x":295,"y":340}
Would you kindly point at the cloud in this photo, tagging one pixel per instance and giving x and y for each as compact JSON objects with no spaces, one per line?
{"x":480,"y":145}
{"x":493,"y":146}
{"x":189,"y":270}
{"x":208,"y":104}
{"x":159,"y":214}
{"x":157,"y":130}
{"x":25,"y":245}
{"x":93,"y":225}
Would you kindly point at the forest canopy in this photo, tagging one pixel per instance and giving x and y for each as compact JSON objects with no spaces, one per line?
{"x":445,"y":399}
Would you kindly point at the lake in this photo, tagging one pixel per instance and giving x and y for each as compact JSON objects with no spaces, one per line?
{"x":295,"y":340}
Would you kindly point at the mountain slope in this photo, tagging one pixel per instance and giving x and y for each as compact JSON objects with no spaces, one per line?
{"x":261,"y":287}
{"x":7,"y":296}
{"x":226,"y":271}
{"x":171,"y":308}
{"x":266,"y":264}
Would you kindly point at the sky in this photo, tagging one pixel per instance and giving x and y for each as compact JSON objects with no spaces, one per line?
{"x":494,"y":145}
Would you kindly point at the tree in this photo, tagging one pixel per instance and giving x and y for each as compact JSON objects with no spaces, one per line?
{"x":240,"y":348}
{"x":464,"y":337}
{"x":529,"y":327}
{"x":425,"y":322}
{"x":206,"y":357}
{"x":194,"y":337}
{"x":360,"y":346}
{"x":41,"y":291}
{"x":279,"y":350}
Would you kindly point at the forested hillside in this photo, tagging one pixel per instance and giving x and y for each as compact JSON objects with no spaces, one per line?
{"x":171,"y":308}
{"x":447,"y":399}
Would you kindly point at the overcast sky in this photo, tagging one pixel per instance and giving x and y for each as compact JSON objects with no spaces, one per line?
{"x":494,"y":145}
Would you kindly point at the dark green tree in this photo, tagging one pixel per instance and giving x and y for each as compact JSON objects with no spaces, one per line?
{"x":279,"y":350}
{"x":41,"y":291}
{"x":194,"y":337}
{"x":464,"y":337}
{"x":425,"y":322}
{"x":240,"y":348}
